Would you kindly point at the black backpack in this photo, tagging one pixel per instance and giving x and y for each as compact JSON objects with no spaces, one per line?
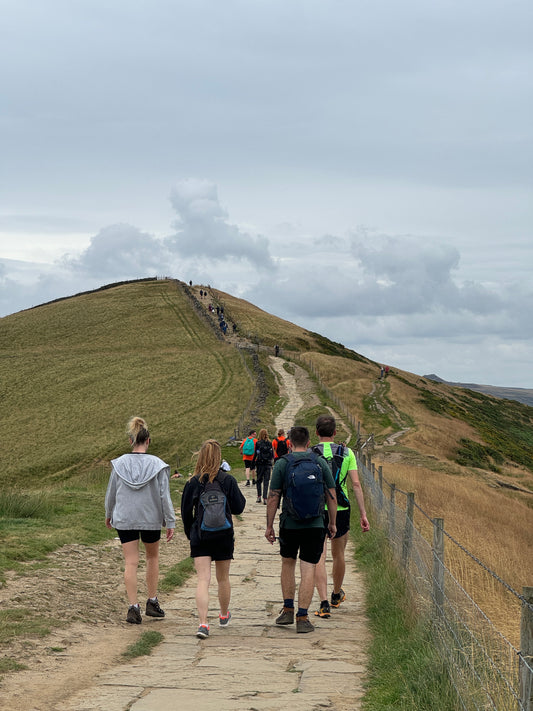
{"x":264,"y":451}
{"x":336,"y":465}
{"x":281,"y":447}
{"x":305,"y":489}
{"x":212,"y":512}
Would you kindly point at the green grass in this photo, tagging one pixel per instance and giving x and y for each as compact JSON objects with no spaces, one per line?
{"x":405,"y":671}
{"x":144,"y":645}
{"x":22,"y":621}
{"x":177,"y":575}
{"x":506,"y":426}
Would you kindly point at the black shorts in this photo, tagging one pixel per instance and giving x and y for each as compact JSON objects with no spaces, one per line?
{"x":342,"y":522}
{"x":309,"y":541}
{"x":133,"y":535}
{"x":249,"y":464}
{"x":219,"y":547}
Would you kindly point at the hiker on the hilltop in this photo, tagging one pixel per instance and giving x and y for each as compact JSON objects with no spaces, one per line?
{"x":247,"y":448}
{"x":138,"y":505}
{"x":343,"y":466}
{"x":280,"y":444}
{"x":264,"y":454}
{"x":208,"y":501}
{"x":304,"y":480}
{"x":276,"y":350}
{"x":190,"y":282}
{"x":382,"y":373}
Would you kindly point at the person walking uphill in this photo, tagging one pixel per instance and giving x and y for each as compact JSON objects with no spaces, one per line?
{"x":304,"y":480}
{"x":208,"y":501}
{"x":264,"y":454}
{"x":138,"y":505}
{"x":343,"y":464}
{"x":247,"y":448}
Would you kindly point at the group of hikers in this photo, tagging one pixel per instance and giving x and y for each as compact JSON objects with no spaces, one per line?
{"x":310,"y":484}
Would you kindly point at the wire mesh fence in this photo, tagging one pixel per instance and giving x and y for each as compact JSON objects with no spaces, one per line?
{"x":486,"y":668}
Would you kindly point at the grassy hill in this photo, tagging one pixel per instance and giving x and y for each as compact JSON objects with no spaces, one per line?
{"x":75,"y":370}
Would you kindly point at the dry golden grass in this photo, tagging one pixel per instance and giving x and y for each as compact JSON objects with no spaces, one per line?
{"x":494,"y":526}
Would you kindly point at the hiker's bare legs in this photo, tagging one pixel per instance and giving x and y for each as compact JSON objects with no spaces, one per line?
{"x":247,"y":473}
{"x":288,"y":578}
{"x":131,"y":563}
{"x":338,"y":547}
{"x":203,"y":572}
{"x":152,"y":567}
{"x":224,"y":586}
{"x":307,"y":584}
{"x":321,"y":575}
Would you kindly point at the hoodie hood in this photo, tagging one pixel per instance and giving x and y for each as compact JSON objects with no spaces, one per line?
{"x":136,"y":470}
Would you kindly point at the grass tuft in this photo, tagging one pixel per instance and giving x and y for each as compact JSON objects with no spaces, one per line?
{"x":144,"y":645}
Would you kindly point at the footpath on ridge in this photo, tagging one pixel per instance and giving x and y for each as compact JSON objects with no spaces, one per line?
{"x":253,"y":664}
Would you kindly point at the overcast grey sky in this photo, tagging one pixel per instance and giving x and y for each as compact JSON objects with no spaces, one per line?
{"x":361,"y":168}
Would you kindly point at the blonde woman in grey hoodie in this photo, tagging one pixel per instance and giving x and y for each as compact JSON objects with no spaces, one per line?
{"x":138,"y":505}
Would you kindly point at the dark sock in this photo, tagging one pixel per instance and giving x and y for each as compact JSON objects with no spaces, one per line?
{"x":288,"y":603}
{"x":324,"y":602}
{"x":302,"y":612}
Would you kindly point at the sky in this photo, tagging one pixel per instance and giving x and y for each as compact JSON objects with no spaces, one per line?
{"x":361,"y":168}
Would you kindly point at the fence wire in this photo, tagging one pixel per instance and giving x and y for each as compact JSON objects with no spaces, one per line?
{"x":486,"y":669}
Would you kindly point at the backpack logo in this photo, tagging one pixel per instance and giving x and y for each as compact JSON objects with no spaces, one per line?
{"x":212,"y":509}
{"x":248,"y":447}
{"x":304,"y":493}
{"x":281,"y":447}
{"x":335,"y":464}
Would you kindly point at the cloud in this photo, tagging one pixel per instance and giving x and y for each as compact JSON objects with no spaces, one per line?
{"x":120,"y":252}
{"x":203,"y":230}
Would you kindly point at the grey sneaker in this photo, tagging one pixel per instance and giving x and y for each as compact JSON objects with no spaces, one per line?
{"x":224,"y":621}
{"x":134,"y":615}
{"x":303,"y":625}
{"x":203,"y":632}
{"x":286,"y":616}
{"x":153,"y":609}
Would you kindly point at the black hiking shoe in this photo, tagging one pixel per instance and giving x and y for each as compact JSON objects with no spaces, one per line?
{"x":303,"y":625}
{"x":134,"y":615}
{"x":337,"y":598}
{"x":286,"y":616}
{"x":153,"y":609}
{"x":324,"y":611}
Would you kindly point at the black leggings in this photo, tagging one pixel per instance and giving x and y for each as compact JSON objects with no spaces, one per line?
{"x":262,"y":477}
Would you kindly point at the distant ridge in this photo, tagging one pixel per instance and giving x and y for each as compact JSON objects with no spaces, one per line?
{"x":523,"y":395}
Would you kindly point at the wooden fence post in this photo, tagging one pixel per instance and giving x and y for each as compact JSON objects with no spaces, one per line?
{"x":380,"y":494}
{"x":392,"y":512}
{"x":526,"y":651}
{"x":438,"y":567}
{"x":408,"y":530}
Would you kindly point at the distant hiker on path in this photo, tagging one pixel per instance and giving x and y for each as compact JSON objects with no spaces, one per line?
{"x":247,"y":448}
{"x":343,"y":465}
{"x":303,"y":480}
{"x":263,"y":458}
{"x":276,"y":351}
{"x":138,"y":505}
{"x":208,"y":501}
{"x":280,"y":445}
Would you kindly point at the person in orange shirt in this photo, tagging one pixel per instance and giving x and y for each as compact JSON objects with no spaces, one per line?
{"x":248,"y":451}
{"x":281,"y":445}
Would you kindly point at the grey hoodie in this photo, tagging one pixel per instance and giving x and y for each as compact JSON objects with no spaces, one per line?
{"x":138,"y":493}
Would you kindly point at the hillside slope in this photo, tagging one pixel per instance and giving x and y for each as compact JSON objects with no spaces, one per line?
{"x":76,"y":370}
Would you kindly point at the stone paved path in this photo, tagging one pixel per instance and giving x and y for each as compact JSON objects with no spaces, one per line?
{"x":252,"y":665}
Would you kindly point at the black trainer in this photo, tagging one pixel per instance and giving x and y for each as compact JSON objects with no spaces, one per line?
{"x":134,"y":615}
{"x":337,"y":598}
{"x":153,"y":608}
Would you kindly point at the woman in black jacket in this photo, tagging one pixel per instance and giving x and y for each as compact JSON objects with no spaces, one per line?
{"x":211,"y":489}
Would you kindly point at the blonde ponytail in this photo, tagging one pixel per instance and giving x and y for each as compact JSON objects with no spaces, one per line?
{"x":138,"y":431}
